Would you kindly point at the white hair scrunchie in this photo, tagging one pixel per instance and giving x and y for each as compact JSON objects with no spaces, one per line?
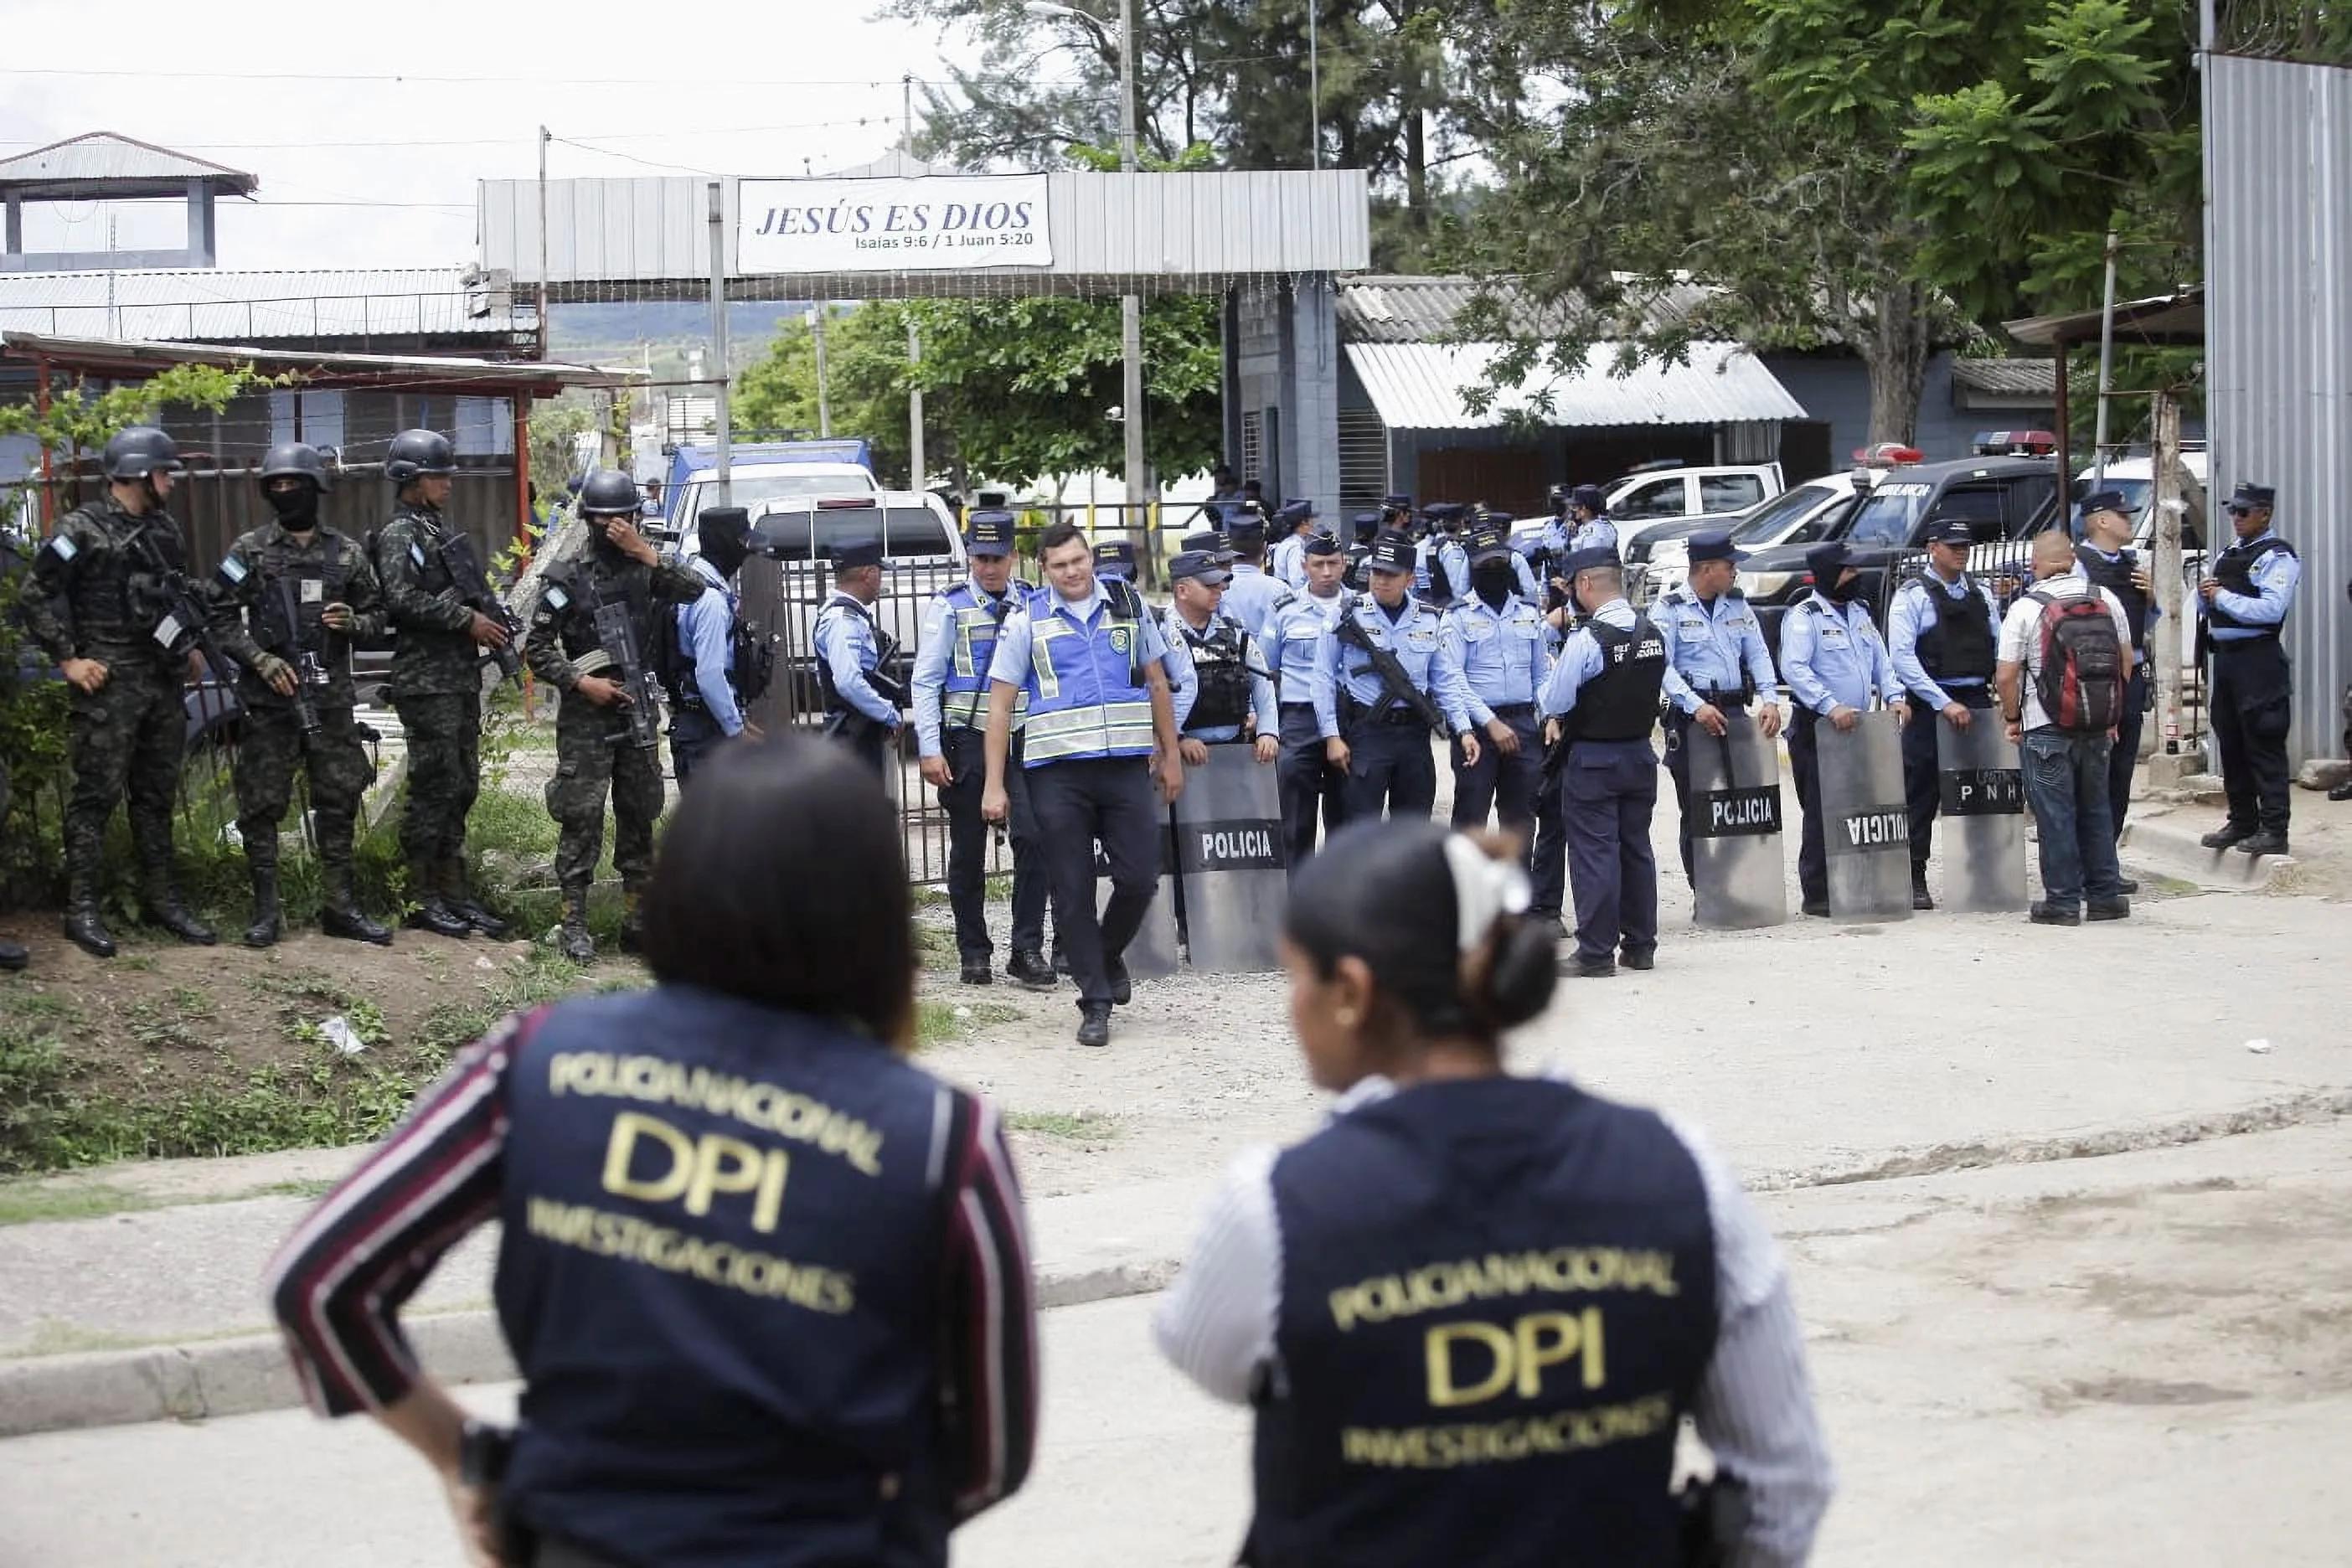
{"x":1484,"y":889}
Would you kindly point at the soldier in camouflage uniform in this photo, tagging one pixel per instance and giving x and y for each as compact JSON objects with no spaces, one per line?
{"x":100,"y":610}
{"x":593,"y":752}
{"x":291,"y":596}
{"x":437,"y":684}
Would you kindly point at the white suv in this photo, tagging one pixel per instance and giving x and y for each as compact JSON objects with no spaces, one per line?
{"x":1643,"y":500}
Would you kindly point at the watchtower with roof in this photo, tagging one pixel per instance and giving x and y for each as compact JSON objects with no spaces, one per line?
{"x":103,"y":166}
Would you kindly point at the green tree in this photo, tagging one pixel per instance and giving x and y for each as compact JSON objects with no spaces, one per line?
{"x":1012,"y":388}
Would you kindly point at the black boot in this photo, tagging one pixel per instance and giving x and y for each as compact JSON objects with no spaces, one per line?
{"x":162,"y":908}
{"x":633,"y":920}
{"x":576,"y":942}
{"x":266,"y":922}
{"x":462,"y":904}
{"x":83,"y":928}
{"x":433,"y":912}
{"x":340,"y":913}
{"x":13,"y":955}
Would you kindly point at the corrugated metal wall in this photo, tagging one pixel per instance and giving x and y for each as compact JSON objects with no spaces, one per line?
{"x":2278,"y":247}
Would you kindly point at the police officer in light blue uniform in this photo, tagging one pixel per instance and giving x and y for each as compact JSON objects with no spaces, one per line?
{"x":1456,"y":553}
{"x":849,"y":658}
{"x":704,"y":706}
{"x":1434,"y":581}
{"x":1717,"y":661}
{"x":1498,"y":637}
{"x":2243,"y":602}
{"x":1292,"y":526}
{"x":1250,"y":596}
{"x":1294,"y":642}
{"x":1376,"y":736}
{"x":1602,"y":699}
{"x":1218,"y":680}
{"x":1943,"y":634}
{"x":950,"y":701}
{"x":1834,"y":664}
{"x":1089,"y":657}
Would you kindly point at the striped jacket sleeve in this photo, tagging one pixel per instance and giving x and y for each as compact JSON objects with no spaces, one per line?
{"x":337,"y":1285}
{"x":989,"y":1365}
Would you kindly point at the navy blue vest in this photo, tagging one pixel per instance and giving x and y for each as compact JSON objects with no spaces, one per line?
{"x":720,"y":1277}
{"x":1499,"y":1299}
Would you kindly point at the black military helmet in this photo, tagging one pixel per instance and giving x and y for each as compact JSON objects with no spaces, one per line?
{"x":609,"y":492}
{"x":415,"y":452}
{"x":294,"y":461}
{"x":135,"y":453}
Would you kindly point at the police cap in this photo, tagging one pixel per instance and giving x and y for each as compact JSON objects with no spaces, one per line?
{"x":1489,"y":541}
{"x":1321,"y":544}
{"x":1714,"y":544}
{"x":1591,"y":498}
{"x":1209,"y":540}
{"x":1116,"y":556}
{"x":988,"y":533}
{"x":1826,"y":560}
{"x":2253,"y":497}
{"x":1952,"y":530}
{"x":1594,"y":558}
{"x":1391,"y":552}
{"x":1295,"y":512}
{"x":1246,"y":528}
{"x":855,"y":556}
{"x":1200,"y":565}
{"x":2106,"y":501}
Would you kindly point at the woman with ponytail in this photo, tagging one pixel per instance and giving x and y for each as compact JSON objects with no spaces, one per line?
{"x":1472,"y":1308}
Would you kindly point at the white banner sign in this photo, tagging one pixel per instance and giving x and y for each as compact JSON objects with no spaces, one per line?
{"x":939,"y":222}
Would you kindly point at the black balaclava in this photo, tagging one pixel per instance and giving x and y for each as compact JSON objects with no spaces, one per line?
{"x":1491,"y":581}
{"x":298,"y":509}
{"x":1842,"y":593}
{"x":725,"y":541}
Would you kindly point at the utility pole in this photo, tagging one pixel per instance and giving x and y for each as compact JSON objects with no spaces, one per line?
{"x":2164,"y":659}
{"x":2106,"y":374}
{"x":724,"y":470}
{"x":1130,"y":306}
{"x":823,"y":401}
{"x":542,"y":241}
{"x":917,"y":468}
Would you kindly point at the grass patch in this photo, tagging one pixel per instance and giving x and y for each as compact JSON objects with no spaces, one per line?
{"x":1079,"y":1126}
{"x":311,"y":1189}
{"x":29,"y":1203}
{"x":937,"y":1022}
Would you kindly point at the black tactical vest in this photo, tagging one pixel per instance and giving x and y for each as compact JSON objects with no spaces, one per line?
{"x":1959,"y":644}
{"x":1498,"y":1299}
{"x":1620,"y":703}
{"x":2234,"y":569}
{"x":1221,"y":664}
{"x":2116,"y":577}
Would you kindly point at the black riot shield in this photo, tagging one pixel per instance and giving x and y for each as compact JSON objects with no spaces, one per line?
{"x":1984,"y":816}
{"x":1229,"y":858}
{"x":1152,"y":955}
{"x":1864,"y":826}
{"x":1735,"y":824}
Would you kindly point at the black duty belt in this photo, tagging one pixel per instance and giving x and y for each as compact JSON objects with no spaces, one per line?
{"x":1303,"y":706}
{"x":1513,"y":710}
{"x":1396,"y":716}
{"x":2228,"y":645}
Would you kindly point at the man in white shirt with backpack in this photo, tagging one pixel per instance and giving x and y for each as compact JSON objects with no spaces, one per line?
{"x":2065,"y":666}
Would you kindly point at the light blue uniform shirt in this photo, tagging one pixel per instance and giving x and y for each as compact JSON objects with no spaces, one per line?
{"x":1913,"y":615}
{"x":1012,"y":664}
{"x":1501,"y":653}
{"x":928,"y":679}
{"x":1184,"y":682}
{"x":1250,"y":596}
{"x":1458,"y":573}
{"x":705,"y":628}
{"x":1832,"y":657}
{"x":1561,"y":536}
{"x":1294,"y":640}
{"x":1287,"y":565}
{"x":844,"y":640}
{"x":2276,"y":576}
{"x":1709,"y":645}
{"x":1414,"y":636}
{"x":1580,"y":660}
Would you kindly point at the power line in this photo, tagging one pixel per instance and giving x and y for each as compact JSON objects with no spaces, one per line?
{"x":410,"y":80}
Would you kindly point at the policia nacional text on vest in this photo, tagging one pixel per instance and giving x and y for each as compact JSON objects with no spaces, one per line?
{"x":1498,"y":1298}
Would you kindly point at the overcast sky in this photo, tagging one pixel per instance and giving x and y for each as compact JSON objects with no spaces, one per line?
{"x":410,"y":103}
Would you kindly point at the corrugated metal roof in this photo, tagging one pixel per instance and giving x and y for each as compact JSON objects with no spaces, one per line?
{"x":1407,"y":308}
{"x":208,"y":305}
{"x":1418,"y":386}
{"x":104,"y":155}
{"x":326,"y":369}
{"x":2008,"y":377}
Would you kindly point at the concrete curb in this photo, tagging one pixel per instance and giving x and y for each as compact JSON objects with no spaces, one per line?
{"x":2165,"y":842}
{"x":245,"y":1374}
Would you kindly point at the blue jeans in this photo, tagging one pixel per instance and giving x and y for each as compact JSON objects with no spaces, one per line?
{"x":2066,"y":784}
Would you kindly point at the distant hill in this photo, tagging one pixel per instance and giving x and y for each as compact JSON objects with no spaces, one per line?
{"x":576,"y":328}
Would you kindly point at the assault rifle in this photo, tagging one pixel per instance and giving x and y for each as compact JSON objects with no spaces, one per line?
{"x":618,"y":634}
{"x":180,"y":621}
{"x":846,"y":721}
{"x":470,"y":585}
{"x":308,"y":671}
{"x":1394,"y":682}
